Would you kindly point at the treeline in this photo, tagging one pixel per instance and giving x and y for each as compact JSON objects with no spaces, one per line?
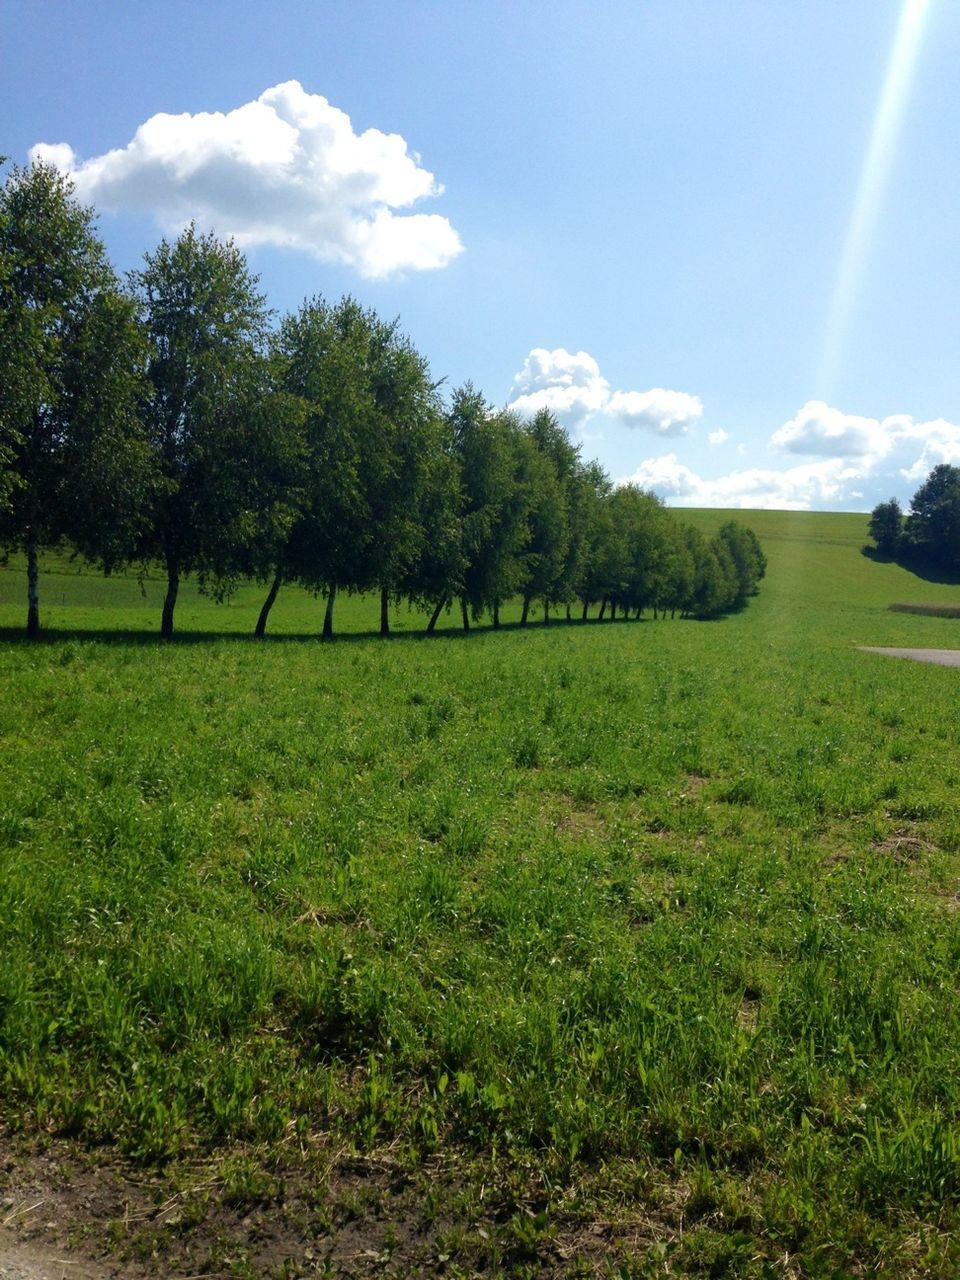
{"x":929,"y":534}
{"x":170,"y":422}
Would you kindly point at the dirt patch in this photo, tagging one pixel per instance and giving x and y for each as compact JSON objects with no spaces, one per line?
{"x":82,"y":1215}
{"x":573,"y":820}
{"x":942,"y":657}
{"x":903,"y":845}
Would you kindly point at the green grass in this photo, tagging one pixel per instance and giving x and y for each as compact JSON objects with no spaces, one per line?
{"x":580,"y":927}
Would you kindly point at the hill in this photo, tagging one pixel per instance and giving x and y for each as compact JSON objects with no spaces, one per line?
{"x":620,"y":948}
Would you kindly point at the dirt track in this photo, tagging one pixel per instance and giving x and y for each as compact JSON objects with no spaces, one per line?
{"x":22,"y":1262}
{"x":942,"y":657}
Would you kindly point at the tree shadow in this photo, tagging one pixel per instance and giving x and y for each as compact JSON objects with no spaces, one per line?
{"x":926,"y":570}
{"x":102,"y":635}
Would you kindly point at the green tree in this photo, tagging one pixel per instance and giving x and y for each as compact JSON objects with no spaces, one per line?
{"x":544,"y":550}
{"x":436,"y":574}
{"x":206,"y":324}
{"x":886,"y":527}
{"x":592,"y":528}
{"x":678,"y":570}
{"x":399,"y":439}
{"x":492,"y":503}
{"x":323,"y":350}
{"x":638,"y":548}
{"x":933,"y":526}
{"x":74,"y":461}
{"x":749,"y":562}
{"x":371,"y":481}
{"x":713,"y":586}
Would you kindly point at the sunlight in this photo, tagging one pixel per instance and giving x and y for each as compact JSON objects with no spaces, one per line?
{"x":874,"y":176}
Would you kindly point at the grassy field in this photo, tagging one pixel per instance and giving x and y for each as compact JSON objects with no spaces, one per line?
{"x":620,"y":949}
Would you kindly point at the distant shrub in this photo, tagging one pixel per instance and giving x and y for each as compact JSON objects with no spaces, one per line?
{"x":932,"y":610}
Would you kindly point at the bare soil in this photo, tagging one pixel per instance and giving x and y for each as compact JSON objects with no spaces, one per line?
{"x":71,"y":1213}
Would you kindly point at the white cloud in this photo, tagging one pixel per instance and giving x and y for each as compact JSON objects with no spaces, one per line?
{"x":799,"y":488}
{"x":895,"y":440}
{"x":869,"y":454}
{"x":940,"y":443}
{"x":669,"y":413}
{"x":818,"y":428}
{"x":572,"y":387}
{"x":287,"y":169}
{"x":719,"y":436}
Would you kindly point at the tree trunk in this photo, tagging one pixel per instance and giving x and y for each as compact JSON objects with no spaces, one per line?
{"x":432,"y":624}
{"x":170,"y":600}
{"x":613,"y":610}
{"x":586,"y":611}
{"x":568,"y":611}
{"x":526,"y":610}
{"x":328,"y":614}
{"x":603,"y":609}
{"x":261,"y":627}
{"x":496,"y":615}
{"x":384,"y":611}
{"x":546,"y":612}
{"x":33,"y":597}
{"x":465,"y":613}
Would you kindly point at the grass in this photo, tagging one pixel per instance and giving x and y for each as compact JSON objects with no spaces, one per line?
{"x":620,"y":949}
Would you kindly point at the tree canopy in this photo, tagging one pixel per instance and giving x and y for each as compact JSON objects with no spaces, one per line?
{"x":206,"y":326}
{"x":930,"y":534}
{"x":73,"y":457}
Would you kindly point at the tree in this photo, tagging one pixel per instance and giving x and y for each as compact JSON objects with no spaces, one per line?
{"x":399,"y":435}
{"x":886,"y":527}
{"x":75,"y":462}
{"x":544,"y":552}
{"x":933,"y":526}
{"x":492,"y":503}
{"x":372,"y":476}
{"x":436,"y":575}
{"x":637,"y":548}
{"x":206,"y":324}
{"x":592,"y":530}
{"x":749,"y":562}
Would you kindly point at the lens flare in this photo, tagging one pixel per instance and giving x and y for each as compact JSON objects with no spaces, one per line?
{"x":874,"y":176}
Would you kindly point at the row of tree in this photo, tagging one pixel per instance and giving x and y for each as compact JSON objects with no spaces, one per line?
{"x":168,"y":422}
{"x":929,"y":535}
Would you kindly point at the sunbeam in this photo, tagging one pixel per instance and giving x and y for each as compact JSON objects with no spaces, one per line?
{"x":874,"y":176}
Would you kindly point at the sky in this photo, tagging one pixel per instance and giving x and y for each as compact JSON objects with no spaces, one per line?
{"x":718,"y":238}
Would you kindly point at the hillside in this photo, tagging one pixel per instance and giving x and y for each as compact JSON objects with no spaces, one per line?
{"x":595,"y":949}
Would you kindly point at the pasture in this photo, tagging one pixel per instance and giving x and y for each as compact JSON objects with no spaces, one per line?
{"x":609,"y":949}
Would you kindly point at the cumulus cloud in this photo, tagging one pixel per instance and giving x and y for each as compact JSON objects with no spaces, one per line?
{"x":668,"y":413}
{"x":572,"y":387}
{"x":719,"y":436}
{"x":287,"y":169}
{"x":569,"y":385}
{"x":940,"y":442}
{"x":865,"y":456}
{"x":820,"y":429}
{"x":814,"y":484}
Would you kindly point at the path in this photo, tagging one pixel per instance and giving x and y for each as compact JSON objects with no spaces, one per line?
{"x":943,"y":657}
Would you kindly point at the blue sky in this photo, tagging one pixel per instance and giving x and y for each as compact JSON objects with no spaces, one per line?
{"x":719,"y":237}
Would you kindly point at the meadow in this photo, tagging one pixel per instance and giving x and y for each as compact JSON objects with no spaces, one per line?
{"x":599,"y":949}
